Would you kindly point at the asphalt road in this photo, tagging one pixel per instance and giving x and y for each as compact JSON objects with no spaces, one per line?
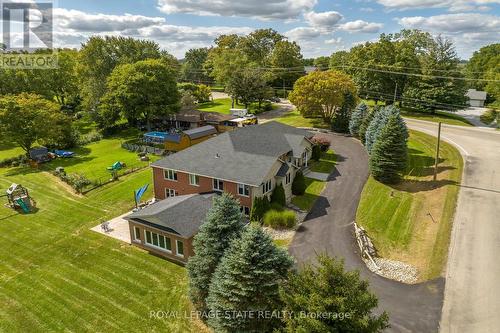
{"x":328,"y":228}
{"x":472,"y":293}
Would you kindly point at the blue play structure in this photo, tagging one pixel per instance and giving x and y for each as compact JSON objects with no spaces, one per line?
{"x":160,"y":137}
{"x":64,"y":154}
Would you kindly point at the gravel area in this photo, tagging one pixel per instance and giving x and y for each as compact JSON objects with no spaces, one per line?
{"x":394,"y":270}
{"x":280,"y":233}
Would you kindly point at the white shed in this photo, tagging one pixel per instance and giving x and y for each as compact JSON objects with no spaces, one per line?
{"x":476,"y":98}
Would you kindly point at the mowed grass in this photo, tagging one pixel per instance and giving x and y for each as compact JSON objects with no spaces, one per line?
{"x":326,"y":163}
{"x":221,"y":105}
{"x":294,"y":118}
{"x":313,"y":190}
{"x":93,"y":159}
{"x":437,"y":117}
{"x":412,"y":221}
{"x":57,"y":275}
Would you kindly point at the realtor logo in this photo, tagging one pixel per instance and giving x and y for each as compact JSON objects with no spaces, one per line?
{"x":27,"y":28}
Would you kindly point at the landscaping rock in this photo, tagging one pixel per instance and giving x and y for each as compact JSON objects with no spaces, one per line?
{"x":280,"y":233}
{"x":394,"y":270}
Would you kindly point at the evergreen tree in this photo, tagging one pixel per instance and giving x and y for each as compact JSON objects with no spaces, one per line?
{"x":340,"y":120}
{"x":222,"y":224}
{"x":247,"y":279}
{"x":327,"y":288}
{"x":356,"y":118}
{"x":316,"y":152}
{"x":278,"y":196}
{"x":298,"y":184}
{"x":365,"y":123}
{"x":260,"y":206}
{"x":374,"y":128}
{"x":390,"y":153}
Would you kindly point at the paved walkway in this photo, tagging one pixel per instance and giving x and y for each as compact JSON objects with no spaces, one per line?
{"x":118,"y":229}
{"x":328,"y":228}
{"x":317,"y":175}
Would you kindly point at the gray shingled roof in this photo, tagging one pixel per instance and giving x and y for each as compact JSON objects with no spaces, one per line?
{"x":182,"y":215}
{"x":244,"y":155}
{"x":476,"y":94}
{"x":199,"y":132}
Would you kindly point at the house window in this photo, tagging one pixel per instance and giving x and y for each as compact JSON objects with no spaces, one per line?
{"x":137,"y":234}
{"x":180,"y":248}
{"x":288,"y":178}
{"x":218,"y":185}
{"x":267,"y":186}
{"x":170,"y":174}
{"x":170,"y":193}
{"x":245,"y":210}
{"x":244,"y":190}
{"x":194,"y":180}
{"x":158,"y":241}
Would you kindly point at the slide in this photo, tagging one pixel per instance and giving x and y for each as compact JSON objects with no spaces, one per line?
{"x":24,"y":207}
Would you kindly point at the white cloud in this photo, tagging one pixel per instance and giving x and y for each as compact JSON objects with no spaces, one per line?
{"x":361,"y":26}
{"x":260,"y":9}
{"x":76,"y":20}
{"x":452,"y":5}
{"x":468,"y":31}
{"x":302,"y":34}
{"x":454,"y":23}
{"x":324,"y":20}
{"x":334,"y":41}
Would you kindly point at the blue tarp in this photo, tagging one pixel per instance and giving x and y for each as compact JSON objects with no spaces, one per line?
{"x":161,"y":137}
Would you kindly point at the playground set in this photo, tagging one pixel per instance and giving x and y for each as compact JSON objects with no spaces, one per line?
{"x":19,"y":199}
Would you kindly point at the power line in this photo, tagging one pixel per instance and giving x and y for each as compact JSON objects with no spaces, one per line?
{"x":434,"y":70}
{"x":418,"y":75}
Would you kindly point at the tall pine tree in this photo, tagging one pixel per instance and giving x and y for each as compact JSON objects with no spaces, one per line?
{"x":327,"y":288}
{"x":356,"y":118}
{"x":222,"y":225}
{"x":365,"y":123}
{"x":340,"y":120}
{"x":247,"y":279}
{"x":374,"y":128}
{"x":389,"y":155}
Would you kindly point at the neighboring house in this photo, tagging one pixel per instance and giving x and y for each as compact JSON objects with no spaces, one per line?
{"x":186,"y":120}
{"x":476,"y":98}
{"x":189,"y":138}
{"x":248,"y":162}
{"x":167,"y":227}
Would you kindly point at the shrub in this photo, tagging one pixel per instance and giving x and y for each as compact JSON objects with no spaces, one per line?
{"x":299,"y":184}
{"x":259,"y":207}
{"x":75,"y":180}
{"x":90,"y":137}
{"x":278,"y":196}
{"x":280,"y":219}
{"x":316,"y":153}
{"x":13,"y":161}
{"x":322,"y":142}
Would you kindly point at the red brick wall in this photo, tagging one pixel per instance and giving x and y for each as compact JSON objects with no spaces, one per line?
{"x":182,"y":186}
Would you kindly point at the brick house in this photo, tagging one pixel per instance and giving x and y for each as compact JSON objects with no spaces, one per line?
{"x":248,"y":162}
{"x":166,"y":228}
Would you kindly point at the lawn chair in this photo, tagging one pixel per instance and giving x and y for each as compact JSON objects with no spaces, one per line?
{"x":105,"y":227}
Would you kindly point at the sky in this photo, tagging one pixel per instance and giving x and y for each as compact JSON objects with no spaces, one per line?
{"x":320,"y":27}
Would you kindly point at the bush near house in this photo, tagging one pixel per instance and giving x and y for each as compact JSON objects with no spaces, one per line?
{"x":316,"y":153}
{"x":278,"y":197}
{"x":259,"y":207}
{"x":280,"y":219}
{"x":324,"y":143}
{"x":299,"y":184}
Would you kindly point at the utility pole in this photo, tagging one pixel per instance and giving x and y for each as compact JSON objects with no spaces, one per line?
{"x":437,"y":152}
{"x":284,"y":89}
{"x":395,"y":93}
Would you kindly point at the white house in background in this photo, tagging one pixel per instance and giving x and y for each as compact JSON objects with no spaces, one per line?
{"x":476,"y":98}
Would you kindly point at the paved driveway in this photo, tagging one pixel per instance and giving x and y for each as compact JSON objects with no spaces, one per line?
{"x":328,"y":227}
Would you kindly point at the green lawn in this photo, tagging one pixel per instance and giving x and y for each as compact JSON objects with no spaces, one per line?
{"x":223,"y":105}
{"x":326,"y":163}
{"x":443,"y":117}
{"x":313,"y":191}
{"x":93,"y":159}
{"x":57,"y":275}
{"x":8,"y":150}
{"x":412,"y":221}
{"x":295,"y":119}
{"x":490,"y":116}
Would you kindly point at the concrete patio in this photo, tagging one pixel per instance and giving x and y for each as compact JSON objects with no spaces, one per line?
{"x":117,"y":228}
